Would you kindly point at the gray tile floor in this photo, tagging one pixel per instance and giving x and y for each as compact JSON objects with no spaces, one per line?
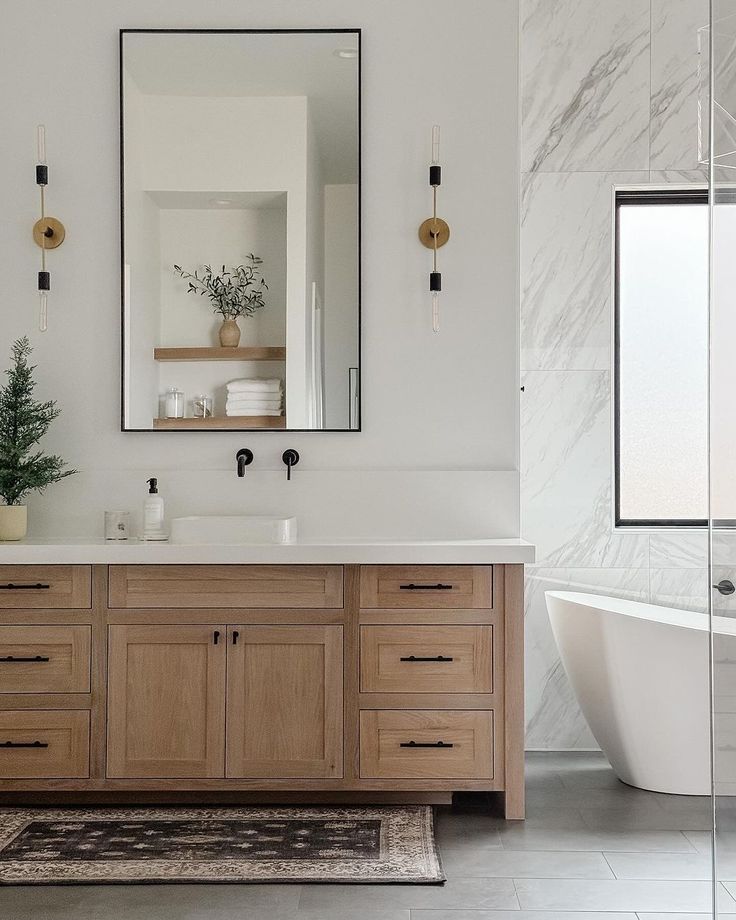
{"x":591,"y":849}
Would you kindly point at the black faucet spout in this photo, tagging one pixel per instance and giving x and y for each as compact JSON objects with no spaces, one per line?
{"x":243,"y":458}
{"x":290,"y":457}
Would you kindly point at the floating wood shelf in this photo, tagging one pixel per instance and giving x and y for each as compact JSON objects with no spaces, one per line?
{"x":215,"y":353}
{"x":230,"y":421}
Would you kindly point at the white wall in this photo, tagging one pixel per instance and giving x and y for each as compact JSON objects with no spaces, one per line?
{"x":204,"y":143}
{"x":191,"y":237}
{"x":340,"y":300}
{"x":446,"y":404}
{"x":142,"y":273}
{"x":315,"y":275}
{"x":228,"y":145}
{"x":723,"y":336}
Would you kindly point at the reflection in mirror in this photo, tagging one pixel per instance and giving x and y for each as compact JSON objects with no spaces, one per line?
{"x":241,"y":213}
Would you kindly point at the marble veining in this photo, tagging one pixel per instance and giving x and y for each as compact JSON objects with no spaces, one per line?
{"x":674,"y":75}
{"x":683,"y":549}
{"x":724,"y":547}
{"x":684,"y":588}
{"x":585,"y":85}
{"x":566,"y":472}
{"x":566,"y":250}
{"x":697,"y":176}
{"x":609,"y":97}
{"x":564,"y":422}
{"x":554,"y":719}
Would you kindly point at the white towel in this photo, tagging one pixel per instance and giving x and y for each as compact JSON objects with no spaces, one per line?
{"x":253,"y":404}
{"x":251,"y":413}
{"x":255,"y":385}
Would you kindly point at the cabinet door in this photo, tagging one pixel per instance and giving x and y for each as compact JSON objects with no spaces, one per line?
{"x":166,"y":701}
{"x":284,"y":701}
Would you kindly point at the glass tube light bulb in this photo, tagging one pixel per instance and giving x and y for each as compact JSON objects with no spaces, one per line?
{"x":436,"y":145}
{"x":43,"y":312}
{"x":41,"y":135}
{"x":435,"y":311}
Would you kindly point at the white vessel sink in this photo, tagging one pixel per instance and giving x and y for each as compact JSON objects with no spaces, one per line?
{"x":230,"y":529}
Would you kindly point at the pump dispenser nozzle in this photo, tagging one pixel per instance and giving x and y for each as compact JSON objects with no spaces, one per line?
{"x":153,"y":513}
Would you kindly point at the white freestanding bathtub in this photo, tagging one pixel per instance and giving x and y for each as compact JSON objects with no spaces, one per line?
{"x":641,"y":676}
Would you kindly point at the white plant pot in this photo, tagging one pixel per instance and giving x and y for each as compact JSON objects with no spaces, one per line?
{"x":13,"y":522}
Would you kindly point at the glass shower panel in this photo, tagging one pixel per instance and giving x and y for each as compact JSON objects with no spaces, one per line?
{"x":718,"y":149}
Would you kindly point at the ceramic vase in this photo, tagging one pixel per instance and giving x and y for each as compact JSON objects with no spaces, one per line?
{"x":229,"y":334}
{"x":13,"y":522}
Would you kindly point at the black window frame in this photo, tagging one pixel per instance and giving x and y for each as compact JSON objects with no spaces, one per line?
{"x":640,"y":197}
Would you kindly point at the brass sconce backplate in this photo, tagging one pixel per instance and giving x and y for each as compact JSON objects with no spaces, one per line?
{"x":43,"y":238}
{"x":430,"y":227}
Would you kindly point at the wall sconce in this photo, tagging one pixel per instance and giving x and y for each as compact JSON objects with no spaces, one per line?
{"x":434,"y":232}
{"x":48,"y":232}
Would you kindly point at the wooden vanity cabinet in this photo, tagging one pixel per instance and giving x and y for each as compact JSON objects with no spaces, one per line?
{"x":166,"y":701}
{"x":171,"y":714}
{"x":284,"y":701}
{"x":383,"y":682}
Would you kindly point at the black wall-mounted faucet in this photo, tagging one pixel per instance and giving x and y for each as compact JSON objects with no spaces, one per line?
{"x":290,"y":458}
{"x":244,"y":457}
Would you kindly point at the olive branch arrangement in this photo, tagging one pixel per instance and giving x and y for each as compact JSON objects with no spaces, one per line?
{"x":235,"y":291}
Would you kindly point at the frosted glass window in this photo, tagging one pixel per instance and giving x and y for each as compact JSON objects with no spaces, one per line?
{"x":661,"y":358}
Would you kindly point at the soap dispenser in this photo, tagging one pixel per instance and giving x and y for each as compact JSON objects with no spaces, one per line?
{"x":153,"y":513}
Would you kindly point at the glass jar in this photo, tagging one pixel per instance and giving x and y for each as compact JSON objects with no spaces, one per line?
{"x":117,"y":525}
{"x":174,"y":403}
{"x":202,"y":406}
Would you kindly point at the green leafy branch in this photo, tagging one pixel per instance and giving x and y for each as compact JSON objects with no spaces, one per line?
{"x":235,"y":291}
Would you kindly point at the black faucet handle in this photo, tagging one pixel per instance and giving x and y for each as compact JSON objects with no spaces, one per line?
{"x":244,"y":457}
{"x":290,"y":457}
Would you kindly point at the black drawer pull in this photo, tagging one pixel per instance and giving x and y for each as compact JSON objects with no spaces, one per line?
{"x":426,"y":744}
{"x":442,"y":658}
{"x":437,"y":587}
{"x":236,"y":636}
{"x":37,"y":587}
{"x":216,"y":636}
{"x":11,"y":658}
{"x":23,"y":744}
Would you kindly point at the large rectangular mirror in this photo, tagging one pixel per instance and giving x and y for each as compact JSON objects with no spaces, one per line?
{"x":240,"y":229}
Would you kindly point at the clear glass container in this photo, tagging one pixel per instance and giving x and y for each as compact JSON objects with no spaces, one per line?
{"x":117,"y":525}
{"x":202,"y":406}
{"x":174,"y":403}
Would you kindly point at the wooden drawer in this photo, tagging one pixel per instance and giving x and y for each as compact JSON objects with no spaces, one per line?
{"x":44,"y":659}
{"x":47,"y":586}
{"x":182,"y":586}
{"x":44,"y":743}
{"x":426,"y":586}
{"x":426,"y":659}
{"x":404,"y":744}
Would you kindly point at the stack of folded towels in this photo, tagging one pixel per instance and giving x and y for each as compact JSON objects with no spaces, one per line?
{"x":255,"y":396}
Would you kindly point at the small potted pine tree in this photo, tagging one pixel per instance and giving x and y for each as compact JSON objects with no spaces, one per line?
{"x":23,"y":422}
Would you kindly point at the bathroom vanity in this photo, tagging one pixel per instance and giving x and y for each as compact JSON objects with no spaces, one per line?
{"x":376,"y":681}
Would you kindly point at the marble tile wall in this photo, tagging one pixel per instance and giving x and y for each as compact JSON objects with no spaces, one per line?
{"x":609,"y":97}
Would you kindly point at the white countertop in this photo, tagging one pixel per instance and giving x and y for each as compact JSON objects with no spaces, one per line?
{"x":387,"y":552}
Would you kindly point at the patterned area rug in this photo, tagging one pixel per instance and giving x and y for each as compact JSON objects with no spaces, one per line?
{"x":237,"y":845}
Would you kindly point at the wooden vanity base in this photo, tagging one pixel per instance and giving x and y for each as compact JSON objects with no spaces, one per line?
{"x":270,"y":684}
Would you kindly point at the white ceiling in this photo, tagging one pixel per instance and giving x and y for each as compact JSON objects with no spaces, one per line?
{"x":221,"y":201}
{"x":260,"y":64}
